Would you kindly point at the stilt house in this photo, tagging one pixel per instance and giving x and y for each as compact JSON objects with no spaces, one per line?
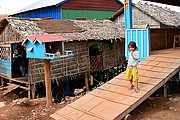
{"x":96,"y":45}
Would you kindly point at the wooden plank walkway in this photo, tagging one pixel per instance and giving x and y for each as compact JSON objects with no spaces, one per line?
{"x":113,"y":100}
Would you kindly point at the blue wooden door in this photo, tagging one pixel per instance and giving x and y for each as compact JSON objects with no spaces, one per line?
{"x":142,"y":39}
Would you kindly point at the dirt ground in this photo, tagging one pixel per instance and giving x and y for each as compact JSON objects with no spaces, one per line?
{"x":26,"y":112}
{"x":154,"y":108}
{"x":158,"y":108}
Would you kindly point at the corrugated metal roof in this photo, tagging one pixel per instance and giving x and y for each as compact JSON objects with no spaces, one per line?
{"x":51,"y":12}
{"x":40,"y":4}
{"x":43,"y":38}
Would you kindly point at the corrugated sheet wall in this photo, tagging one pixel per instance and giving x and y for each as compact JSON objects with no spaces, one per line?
{"x":142,"y":39}
{"x":92,"y":5}
{"x":89,"y":14}
{"x":52,"y":11}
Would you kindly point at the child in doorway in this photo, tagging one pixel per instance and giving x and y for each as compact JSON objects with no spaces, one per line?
{"x":132,"y":71}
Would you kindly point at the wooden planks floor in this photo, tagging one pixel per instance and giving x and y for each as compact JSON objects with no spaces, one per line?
{"x":113,"y":100}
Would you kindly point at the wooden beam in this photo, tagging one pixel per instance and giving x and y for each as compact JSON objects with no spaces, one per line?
{"x":22,"y":80}
{"x":87,"y":75}
{"x":48,"y":82}
{"x":1,"y":81}
{"x":33,"y":92}
{"x":165,"y":90}
{"x":166,"y":39}
{"x":29,"y":80}
{"x":107,"y":73}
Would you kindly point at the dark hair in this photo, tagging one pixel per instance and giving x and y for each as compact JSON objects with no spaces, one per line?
{"x":133,"y":44}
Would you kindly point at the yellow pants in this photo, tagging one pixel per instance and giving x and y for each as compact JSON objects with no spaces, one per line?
{"x":132,"y":73}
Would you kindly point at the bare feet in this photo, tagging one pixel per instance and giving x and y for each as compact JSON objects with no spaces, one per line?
{"x":131,"y":87}
{"x":137,"y":90}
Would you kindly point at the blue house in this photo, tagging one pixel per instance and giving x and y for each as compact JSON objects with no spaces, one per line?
{"x":48,"y":47}
{"x":70,"y":9}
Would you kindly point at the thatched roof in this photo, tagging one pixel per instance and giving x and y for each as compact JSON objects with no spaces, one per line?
{"x":25,"y":27}
{"x":71,"y":30}
{"x":165,"y":16}
{"x":95,"y":30}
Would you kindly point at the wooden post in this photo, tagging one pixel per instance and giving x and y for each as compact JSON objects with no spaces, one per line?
{"x":1,"y":81}
{"x":33,"y":93}
{"x":87,"y":80}
{"x":29,"y":80}
{"x":107,"y":74}
{"x":165,"y":90}
{"x":166,"y":39}
{"x":29,"y":92}
{"x":48,"y":82}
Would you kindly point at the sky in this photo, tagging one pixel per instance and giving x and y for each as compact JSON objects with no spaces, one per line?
{"x":12,"y":6}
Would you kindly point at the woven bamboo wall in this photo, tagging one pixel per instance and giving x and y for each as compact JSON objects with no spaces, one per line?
{"x":139,"y":18}
{"x":112,"y":56}
{"x":9,"y":35}
{"x":64,"y":67}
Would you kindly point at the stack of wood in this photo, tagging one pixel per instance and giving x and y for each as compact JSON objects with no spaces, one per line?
{"x":80,"y":92}
{"x":77,"y":93}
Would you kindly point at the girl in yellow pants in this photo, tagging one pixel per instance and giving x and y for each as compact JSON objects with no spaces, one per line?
{"x":132,"y":71}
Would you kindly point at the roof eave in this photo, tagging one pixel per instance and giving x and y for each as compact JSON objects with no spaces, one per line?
{"x":120,"y":2}
{"x":64,"y":1}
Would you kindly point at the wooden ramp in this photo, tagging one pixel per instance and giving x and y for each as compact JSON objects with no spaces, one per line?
{"x":113,"y":100}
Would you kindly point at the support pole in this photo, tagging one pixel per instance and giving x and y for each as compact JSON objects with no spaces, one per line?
{"x":165,"y":90}
{"x":29,"y":80}
{"x":128,"y":14}
{"x":166,"y":39}
{"x":107,"y":73}
{"x":48,"y":82}
{"x":1,"y":81}
{"x":29,"y":92}
{"x":87,"y":80}
{"x":33,"y":92}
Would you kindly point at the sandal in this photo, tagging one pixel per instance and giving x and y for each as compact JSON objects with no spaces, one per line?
{"x":137,"y":90}
{"x":130,"y":88}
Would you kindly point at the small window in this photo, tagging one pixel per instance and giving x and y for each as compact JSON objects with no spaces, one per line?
{"x":30,"y":49}
{"x":54,"y":47}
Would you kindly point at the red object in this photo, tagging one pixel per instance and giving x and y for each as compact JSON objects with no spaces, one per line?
{"x":113,"y":5}
{"x":44,"y":38}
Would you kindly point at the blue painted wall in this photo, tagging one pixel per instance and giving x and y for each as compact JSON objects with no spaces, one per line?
{"x":52,"y":11}
{"x":5,"y":67}
{"x":128,"y":14}
{"x":38,"y":50}
{"x":140,"y":36}
{"x":142,"y":39}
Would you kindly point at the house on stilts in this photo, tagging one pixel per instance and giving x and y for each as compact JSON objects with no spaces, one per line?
{"x":97,"y":45}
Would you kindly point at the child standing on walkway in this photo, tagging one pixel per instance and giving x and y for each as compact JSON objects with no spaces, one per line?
{"x":132,"y":71}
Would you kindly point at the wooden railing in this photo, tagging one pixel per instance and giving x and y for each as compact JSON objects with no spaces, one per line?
{"x":96,"y":63}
